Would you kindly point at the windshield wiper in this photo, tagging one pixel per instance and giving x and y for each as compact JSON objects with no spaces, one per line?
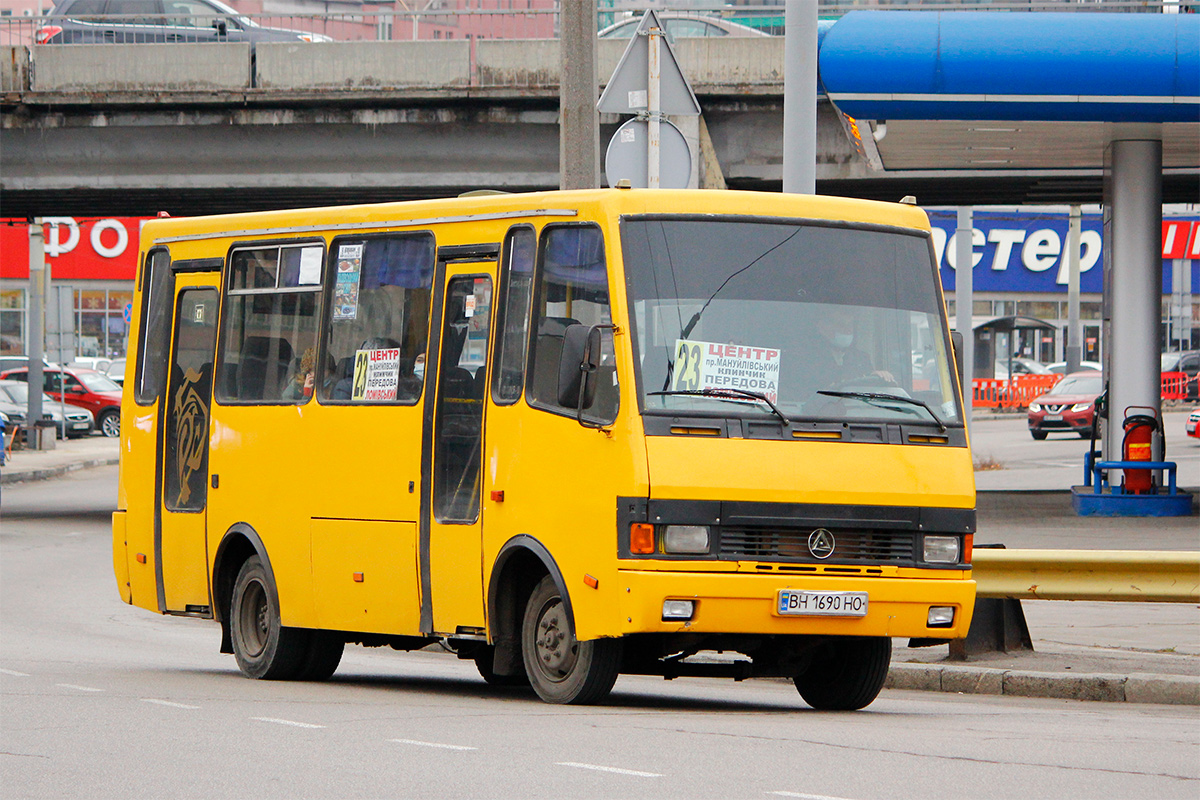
{"x":723,"y":394}
{"x":868,"y":397}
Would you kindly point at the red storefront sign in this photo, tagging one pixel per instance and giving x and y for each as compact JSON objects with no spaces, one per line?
{"x":81,"y":249}
{"x":1175,"y":238}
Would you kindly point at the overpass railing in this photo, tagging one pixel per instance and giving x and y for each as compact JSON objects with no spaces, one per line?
{"x":451,"y":19}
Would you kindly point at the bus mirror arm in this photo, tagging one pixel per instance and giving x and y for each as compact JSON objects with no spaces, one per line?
{"x":578,"y":367}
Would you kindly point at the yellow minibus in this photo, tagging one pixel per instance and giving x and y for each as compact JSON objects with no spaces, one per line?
{"x":567,"y":435}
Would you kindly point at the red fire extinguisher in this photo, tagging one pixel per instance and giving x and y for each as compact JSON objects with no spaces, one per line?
{"x":1136,"y":446}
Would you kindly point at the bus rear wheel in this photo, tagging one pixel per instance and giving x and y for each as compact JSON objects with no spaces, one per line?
{"x":263,"y":647}
{"x":561,"y":668}
{"x":846,"y":674}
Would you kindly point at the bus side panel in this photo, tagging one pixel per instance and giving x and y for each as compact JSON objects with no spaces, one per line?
{"x":120,"y":556}
{"x":561,"y":482}
{"x":266,"y":473}
{"x":365,"y":575}
{"x":138,"y":481}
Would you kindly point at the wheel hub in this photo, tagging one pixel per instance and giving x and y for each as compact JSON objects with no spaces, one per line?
{"x":556,"y":648}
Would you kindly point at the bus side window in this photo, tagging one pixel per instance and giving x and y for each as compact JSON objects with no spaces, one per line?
{"x":512,"y":327}
{"x":572,"y":289}
{"x":378,"y":323}
{"x":270,"y":323}
{"x":157,"y":302}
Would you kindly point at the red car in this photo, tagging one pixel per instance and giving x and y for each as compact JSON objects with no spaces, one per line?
{"x":1068,"y":407}
{"x":85,"y":388}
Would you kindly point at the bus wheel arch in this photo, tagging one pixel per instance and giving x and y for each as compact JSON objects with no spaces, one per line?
{"x":520,"y":565}
{"x":238,"y":545}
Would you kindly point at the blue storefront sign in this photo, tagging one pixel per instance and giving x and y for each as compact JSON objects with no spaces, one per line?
{"x":1023,"y":252}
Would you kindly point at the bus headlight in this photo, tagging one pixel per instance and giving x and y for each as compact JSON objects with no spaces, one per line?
{"x":941,"y":550}
{"x":678,"y":610}
{"x":685,"y":539}
{"x":940,"y":617}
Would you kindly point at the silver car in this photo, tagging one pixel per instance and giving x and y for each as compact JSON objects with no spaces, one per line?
{"x":70,"y":421}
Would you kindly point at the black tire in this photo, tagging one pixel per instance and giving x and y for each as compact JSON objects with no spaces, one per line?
{"x":562,"y":669}
{"x":483,"y":663}
{"x":110,"y":423}
{"x":323,"y":655}
{"x":1039,"y":435}
{"x":264,"y":649}
{"x":846,"y":674}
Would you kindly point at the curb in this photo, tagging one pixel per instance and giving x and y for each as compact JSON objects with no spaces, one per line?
{"x":1133,"y":688}
{"x":8,"y":476}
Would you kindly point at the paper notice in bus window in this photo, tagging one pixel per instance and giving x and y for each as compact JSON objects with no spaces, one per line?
{"x":310,"y":266}
{"x":345,"y":288}
{"x":376,"y":374}
{"x":711,"y":366}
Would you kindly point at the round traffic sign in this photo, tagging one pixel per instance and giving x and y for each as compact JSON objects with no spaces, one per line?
{"x":626,"y":156}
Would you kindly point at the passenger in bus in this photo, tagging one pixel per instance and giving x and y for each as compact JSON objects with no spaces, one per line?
{"x":300,"y":387}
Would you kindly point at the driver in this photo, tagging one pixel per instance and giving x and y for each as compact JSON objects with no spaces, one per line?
{"x":844,"y":362}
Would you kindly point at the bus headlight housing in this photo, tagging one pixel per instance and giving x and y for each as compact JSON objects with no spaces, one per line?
{"x":690,"y":539}
{"x":940,"y":617}
{"x":678,"y":610}
{"x":941,"y":550}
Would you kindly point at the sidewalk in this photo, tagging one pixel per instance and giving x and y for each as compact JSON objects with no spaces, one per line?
{"x":67,"y":456}
{"x":1117,"y":652}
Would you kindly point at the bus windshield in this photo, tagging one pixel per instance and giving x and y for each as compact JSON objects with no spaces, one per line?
{"x":803,"y":320}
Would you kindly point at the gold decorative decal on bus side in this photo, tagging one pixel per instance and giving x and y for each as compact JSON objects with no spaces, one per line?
{"x":191,"y":428}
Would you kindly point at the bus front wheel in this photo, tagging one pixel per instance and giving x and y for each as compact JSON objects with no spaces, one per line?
{"x":264,"y":648}
{"x":562,"y":669}
{"x":846,"y":674}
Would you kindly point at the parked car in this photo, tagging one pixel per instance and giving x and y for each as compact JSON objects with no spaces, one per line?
{"x":1192,"y":426}
{"x":91,"y":362}
{"x":1187,"y":362}
{"x":12,"y":362}
{"x":163,"y":21}
{"x":70,"y":421}
{"x":1069,"y":407}
{"x":1060,"y":367}
{"x":85,"y":388}
{"x":116,"y":371}
{"x":680,"y":26}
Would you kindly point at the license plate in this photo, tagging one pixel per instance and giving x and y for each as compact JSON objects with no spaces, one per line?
{"x":830,"y":604}
{"x":1053,"y":418}
{"x":79,"y":424}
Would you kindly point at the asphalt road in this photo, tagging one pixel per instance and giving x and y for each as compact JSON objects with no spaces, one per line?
{"x":104,"y":700}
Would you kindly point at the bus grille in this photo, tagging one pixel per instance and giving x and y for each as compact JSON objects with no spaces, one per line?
{"x":791,"y":544}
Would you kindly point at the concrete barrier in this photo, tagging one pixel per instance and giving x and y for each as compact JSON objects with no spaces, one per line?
{"x":140,"y":67}
{"x":732,"y":61}
{"x":518,"y":62}
{"x":362,"y":65}
{"x":14,"y":69}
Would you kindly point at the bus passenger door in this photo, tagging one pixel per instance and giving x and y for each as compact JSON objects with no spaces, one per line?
{"x":181,"y":553}
{"x":455,"y":552}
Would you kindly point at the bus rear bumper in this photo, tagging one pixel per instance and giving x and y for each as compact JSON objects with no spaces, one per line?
{"x":741,"y":603}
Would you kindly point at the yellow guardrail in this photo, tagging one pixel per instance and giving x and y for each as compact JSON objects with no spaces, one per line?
{"x":1145,"y":575}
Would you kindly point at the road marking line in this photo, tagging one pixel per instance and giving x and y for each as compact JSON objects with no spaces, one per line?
{"x":432,"y":744}
{"x":803,"y":796}
{"x":158,"y":702}
{"x":80,"y":688}
{"x":287,"y":722}
{"x":14,"y":673}
{"x":616,"y":770}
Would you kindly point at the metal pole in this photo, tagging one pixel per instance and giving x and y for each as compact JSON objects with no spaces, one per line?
{"x":37,"y":327}
{"x":964,"y":303}
{"x":800,"y":97}
{"x":1074,"y":352}
{"x":579,"y":122}
{"x":1136,"y":286}
{"x":653,"y":109}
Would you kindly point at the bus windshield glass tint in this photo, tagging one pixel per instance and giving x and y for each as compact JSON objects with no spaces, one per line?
{"x":793,"y":312}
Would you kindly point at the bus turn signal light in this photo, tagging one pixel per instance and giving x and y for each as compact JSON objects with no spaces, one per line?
{"x":641,"y":538}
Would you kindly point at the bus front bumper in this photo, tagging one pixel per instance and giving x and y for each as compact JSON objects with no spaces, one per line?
{"x":747,"y":603}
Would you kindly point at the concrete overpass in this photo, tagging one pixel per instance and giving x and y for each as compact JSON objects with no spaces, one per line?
{"x":193,"y":128}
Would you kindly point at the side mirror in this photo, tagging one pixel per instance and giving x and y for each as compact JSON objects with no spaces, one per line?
{"x":956,"y":343}
{"x":573,"y":368}
{"x":221,"y":26}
